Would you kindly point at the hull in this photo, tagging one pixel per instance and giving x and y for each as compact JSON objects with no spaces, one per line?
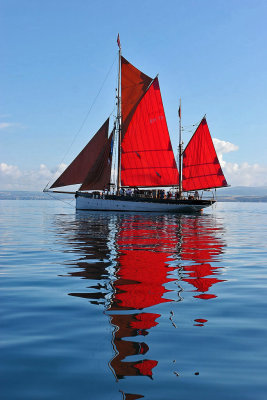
{"x":117,"y":203}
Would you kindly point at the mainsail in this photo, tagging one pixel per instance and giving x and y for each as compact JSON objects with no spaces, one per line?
{"x":134,"y":84}
{"x":201,"y":167}
{"x":92,"y":166}
{"x":147,"y":157}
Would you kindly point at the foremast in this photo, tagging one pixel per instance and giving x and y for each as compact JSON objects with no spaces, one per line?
{"x":180,"y":152}
{"x":118,"y":119}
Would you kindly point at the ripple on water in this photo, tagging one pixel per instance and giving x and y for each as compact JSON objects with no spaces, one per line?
{"x":120,"y":306}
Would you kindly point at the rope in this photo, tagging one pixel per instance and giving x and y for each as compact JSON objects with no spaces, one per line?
{"x":86,"y":116}
{"x":64,"y":201}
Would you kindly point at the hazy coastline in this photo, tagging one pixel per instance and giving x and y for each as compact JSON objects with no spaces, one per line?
{"x":231,"y":194}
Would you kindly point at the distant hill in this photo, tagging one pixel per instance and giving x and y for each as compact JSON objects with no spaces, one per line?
{"x":243,"y":193}
{"x":237,"y":193}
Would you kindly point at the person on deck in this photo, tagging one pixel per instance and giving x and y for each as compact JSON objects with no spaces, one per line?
{"x":136,"y":191}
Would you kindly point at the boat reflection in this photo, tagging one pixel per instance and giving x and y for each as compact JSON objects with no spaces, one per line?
{"x":201,"y":245}
{"x":134,"y":265}
{"x":144,"y":247}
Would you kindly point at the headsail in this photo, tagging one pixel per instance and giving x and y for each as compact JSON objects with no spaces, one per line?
{"x":98,"y":177}
{"x":147,"y":157}
{"x":201,"y":167}
{"x":78,"y":170}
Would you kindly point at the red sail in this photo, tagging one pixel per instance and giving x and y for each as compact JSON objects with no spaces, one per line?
{"x":78,"y":170}
{"x":201,"y":167}
{"x":134,"y":84}
{"x":98,"y":177}
{"x":147,"y":157}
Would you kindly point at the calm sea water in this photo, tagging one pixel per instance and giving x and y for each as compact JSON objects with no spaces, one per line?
{"x":123,"y":306}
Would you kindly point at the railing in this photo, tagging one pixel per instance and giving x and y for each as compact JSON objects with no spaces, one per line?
{"x":142,"y":197}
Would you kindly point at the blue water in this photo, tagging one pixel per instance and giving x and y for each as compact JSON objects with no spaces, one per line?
{"x":123,"y":306}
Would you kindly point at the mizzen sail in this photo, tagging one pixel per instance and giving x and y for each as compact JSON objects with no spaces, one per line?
{"x":201,"y":167}
{"x":78,"y":170}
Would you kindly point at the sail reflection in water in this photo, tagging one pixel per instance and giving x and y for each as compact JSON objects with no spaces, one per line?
{"x":144,"y":246}
{"x":135,"y":263}
{"x":200,"y":245}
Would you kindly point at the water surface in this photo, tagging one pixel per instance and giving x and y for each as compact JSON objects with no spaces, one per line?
{"x":124,"y":306}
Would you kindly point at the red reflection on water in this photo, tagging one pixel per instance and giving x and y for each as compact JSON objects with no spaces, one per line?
{"x":200,"y":321}
{"x":205,"y":296}
{"x":142,"y":272}
{"x":141,"y":278}
{"x":144,"y":321}
{"x":131,"y":325}
{"x":131,"y":396}
{"x":146,"y":366}
{"x":197,"y":277}
{"x":201,"y":245}
{"x":145,"y":247}
{"x":199,"y":241}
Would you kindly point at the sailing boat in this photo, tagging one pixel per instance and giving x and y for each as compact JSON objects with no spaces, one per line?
{"x":145,"y":162}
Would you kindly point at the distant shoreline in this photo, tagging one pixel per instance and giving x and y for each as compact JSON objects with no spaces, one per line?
{"x":231,"y":197}
{"x":242,"y":199}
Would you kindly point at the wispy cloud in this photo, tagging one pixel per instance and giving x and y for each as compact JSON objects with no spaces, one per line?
{"x":6,"y":125}
{"x":9,"y":171}
{"x":244,"y":174}
{"x":224,"y":147}
{"x":13,"y":178}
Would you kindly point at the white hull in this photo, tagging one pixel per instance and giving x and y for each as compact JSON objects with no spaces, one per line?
{"x":102,"y":204}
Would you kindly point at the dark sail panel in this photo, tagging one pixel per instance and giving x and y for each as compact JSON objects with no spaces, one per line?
{"x":201,"y":167}
{"x":134,"y":84}
{"x":98,"y":177}
{"x":147,"y":157}
{"x":78,"y":170}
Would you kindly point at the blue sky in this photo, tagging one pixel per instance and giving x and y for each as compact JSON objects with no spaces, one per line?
{"x":55,"y":56}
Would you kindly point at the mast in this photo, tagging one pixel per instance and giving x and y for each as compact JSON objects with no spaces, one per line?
{"x":119,"y":119}
{"x":180,"y":152}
